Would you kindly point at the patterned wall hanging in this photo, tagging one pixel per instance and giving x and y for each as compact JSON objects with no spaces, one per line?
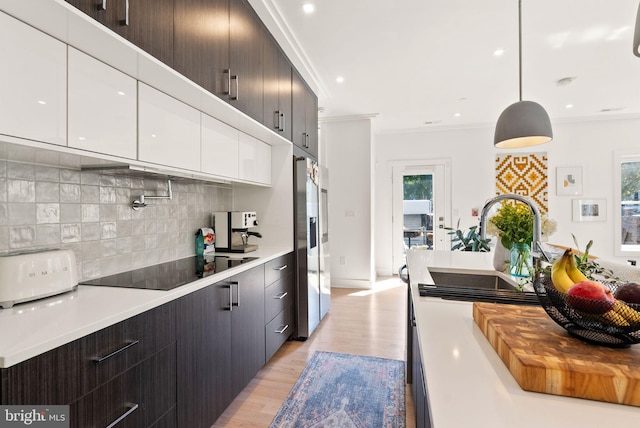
{"x":523,"y":174}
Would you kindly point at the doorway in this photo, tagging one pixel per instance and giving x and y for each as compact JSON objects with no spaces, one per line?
{"x":421,"y":201}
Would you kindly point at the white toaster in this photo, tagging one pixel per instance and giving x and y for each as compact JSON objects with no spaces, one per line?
{"x":33,"y":275}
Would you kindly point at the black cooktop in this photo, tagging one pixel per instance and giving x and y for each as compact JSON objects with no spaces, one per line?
{"x":169,"y":275}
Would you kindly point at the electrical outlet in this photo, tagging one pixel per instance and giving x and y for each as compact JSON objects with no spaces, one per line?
{"x":342,"y":260}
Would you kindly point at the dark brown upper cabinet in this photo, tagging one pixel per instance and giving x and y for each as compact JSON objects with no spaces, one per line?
{"x":147,"y":24}
{"x":277,"y":88}
{"x":304,"y":115}
{"x":201,"y":43}
{"x":245,"y":59}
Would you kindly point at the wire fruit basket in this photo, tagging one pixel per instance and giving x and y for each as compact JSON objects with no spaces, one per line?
{"x":614,"y":325}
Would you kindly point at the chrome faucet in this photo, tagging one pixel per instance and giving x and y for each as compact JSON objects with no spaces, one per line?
{"x":536,"y":251}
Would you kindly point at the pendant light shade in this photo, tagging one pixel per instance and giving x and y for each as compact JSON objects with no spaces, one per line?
{"x":524,"y":123}
{"x":636,"y":36}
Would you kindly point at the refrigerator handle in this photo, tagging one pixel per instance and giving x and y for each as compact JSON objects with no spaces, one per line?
{"x":313,"y":232}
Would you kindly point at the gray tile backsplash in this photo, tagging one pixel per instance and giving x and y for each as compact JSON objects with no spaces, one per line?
{"x":90,"y":213}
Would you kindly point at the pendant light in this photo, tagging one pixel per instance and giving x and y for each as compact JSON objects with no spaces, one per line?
{"x":524,"y":123}
{"x":636,"y":35}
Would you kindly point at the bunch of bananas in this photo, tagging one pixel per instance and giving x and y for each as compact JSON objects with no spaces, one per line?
{"x":565,"y":273}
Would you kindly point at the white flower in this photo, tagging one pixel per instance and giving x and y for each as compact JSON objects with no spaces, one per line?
{"x":548,"y":225}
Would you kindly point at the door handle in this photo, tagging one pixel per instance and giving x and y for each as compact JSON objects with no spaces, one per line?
{"x":237,"y":95}
{"x":281,"y":295}
{"x":282,"y":329}
{"x":228,"y":73}
{"x":126,"y":13}
{"x":237,"y":303}
{"x":132,"y":408}
{"x":103,"y":6}
{"x":116,"y":352}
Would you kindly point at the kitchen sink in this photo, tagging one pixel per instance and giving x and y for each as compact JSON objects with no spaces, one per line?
{"x":474,"y":287}
{"x":473,"y":280}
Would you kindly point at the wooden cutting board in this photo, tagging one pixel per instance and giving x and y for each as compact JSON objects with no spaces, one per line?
{"x":542,"y":357}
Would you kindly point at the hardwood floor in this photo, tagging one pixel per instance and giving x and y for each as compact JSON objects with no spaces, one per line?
{"x":364,"y":322}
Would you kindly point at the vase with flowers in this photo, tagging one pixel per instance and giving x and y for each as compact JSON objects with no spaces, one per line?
{"x":513,"y":224}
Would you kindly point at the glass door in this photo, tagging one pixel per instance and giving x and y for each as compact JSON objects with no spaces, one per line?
{"x":421,"y":202}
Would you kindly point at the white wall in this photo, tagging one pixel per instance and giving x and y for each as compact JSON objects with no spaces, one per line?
{"x":587,"y":144}
{"x":348,"y":145}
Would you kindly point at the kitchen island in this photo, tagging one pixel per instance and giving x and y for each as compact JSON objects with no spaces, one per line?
{"x":466,"y":382}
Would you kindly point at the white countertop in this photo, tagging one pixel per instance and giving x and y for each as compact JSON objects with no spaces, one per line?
{"x":32,"y":328}
{"x":467,"y":383}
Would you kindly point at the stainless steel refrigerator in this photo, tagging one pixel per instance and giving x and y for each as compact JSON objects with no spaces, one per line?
{"x":307,"y":247}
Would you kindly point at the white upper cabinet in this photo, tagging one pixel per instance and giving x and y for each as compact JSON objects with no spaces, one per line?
{"x":254,"y":160}
{"x":102,"y":107}
{"x":168,"y":130}
{"x":219,"y":148}
{"x":33,"y":83}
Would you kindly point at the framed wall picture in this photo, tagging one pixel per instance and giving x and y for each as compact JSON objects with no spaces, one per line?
{"x":569,"y":180}
{"x":589,"y":210}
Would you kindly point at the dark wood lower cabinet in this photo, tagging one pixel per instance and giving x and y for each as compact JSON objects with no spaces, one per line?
{"x":220,"y":345}
{"x":247,"y":327}
{"x":178,"y":365}
{"x":416,"y":374}
{"x":125,"y":369}
{"x":204,"y":355}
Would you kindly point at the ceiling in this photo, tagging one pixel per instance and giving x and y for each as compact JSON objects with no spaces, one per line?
{"x":424,"y":64}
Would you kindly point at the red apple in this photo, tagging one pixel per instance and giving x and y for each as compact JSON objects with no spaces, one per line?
{"x":591,"y":297}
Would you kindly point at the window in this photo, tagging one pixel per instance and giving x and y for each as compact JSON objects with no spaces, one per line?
{"x":627,"y":214}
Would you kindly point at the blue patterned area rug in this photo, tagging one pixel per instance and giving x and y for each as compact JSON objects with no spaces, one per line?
{"x":344,"y":391}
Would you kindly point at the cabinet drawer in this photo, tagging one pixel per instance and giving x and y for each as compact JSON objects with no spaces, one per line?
{"x":120,"y":398}
{"x":68,"y":372}
{"x":278,"y":331}
{"x":278,"y":296}
{"x":278,"y":268}
{"x":141,"y":396}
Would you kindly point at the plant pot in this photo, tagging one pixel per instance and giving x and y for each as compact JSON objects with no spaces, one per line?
{"x":501,"y":256}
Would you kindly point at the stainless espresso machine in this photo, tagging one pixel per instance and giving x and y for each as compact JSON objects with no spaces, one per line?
{"x":232,"y":230}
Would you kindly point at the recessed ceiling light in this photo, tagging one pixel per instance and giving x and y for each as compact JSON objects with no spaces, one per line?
{"x":339,"y":79}
{"x":308,"y":8}
{"x":457,"y":115}
{"x":42,"y":102}
{"x":569,"y":106}
{"x":565,"y":81}
{"x":121,"y":93}
{"x":498,"y":52}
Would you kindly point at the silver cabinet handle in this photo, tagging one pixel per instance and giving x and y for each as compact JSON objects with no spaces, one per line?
{"x":277,"y":117}
{"x":132,"y":408}
{"x":283,"y":122}
{"x":126,"y":13}
{"x":282,"y":329}
{"x":230,"y":308}
{"x":280,"y":121}
{"x":103,"y":6}
{"x":283,"y":267}
{"x":228,"y":73}
{"x":281,"y":295}
{"x":237,"y":303}
{"x":116,"y":352}
{"x":237,"y":95}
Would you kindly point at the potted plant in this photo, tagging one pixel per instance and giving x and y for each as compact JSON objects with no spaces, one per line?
{"x":467,"y":241}
{"x":513,"y":224}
